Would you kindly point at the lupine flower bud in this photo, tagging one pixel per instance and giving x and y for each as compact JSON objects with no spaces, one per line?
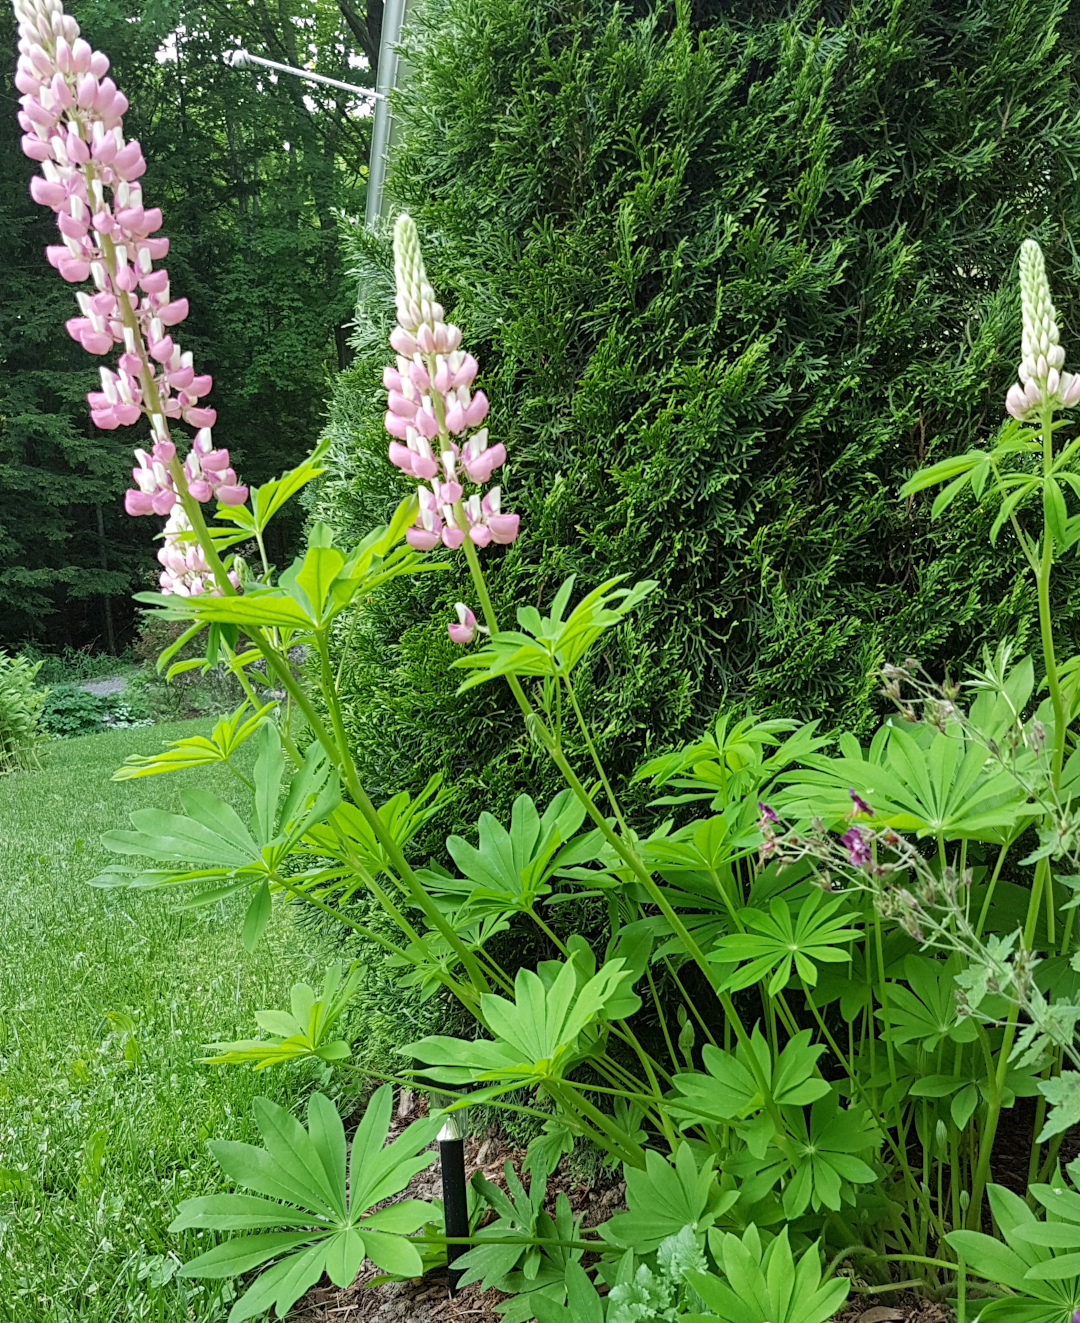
{"x":184,"y":570}
{"x":430,"y":409}
{"x":465,"y":629}
{"x":1043,"y":380}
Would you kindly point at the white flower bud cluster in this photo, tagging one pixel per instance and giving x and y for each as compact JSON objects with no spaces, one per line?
{"x":415,"y":298}
{"x":1043,"y":380}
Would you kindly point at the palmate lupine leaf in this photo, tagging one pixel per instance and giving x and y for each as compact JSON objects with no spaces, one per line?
{"x":1037,"y":1259}
{"x":304,"y":1032}
{"x":667,"y":1196}
{"x":211,"y":833}
{"x":727,"y":1090}
{"x":545,"y":1030}
{"x":304,"y":1218}
{"x":770,"y":1285}
{"x":347,"y":837}
{"x":511,"y":869}
{"x":315,"y":588}
{"x":776,"y":942}
{"x":828,"y":1144}
{"x":923,"y":781}
{"x":549,"y":645}
{"x":197,"y":750}
{"x":731,"y":762}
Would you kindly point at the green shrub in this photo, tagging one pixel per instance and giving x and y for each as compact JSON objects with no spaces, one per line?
{"x":130,"y":706}
{"x":75,"y":665}
{"x":69,"y":711}
{"x":731,"y":275}
{"x":20,"y":710}
{"x":191,"y":693}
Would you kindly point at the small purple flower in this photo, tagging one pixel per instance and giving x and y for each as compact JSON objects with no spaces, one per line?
{"x":767,"y":814}
{"x":858,"y":804}
{"x":858,"y":852}
{"x":1076,"y":1316}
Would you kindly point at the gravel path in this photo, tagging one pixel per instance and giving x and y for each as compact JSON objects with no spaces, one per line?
{"x":108,"y":684}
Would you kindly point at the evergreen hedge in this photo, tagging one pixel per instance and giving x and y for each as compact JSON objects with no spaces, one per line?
{"x":731,"y":272}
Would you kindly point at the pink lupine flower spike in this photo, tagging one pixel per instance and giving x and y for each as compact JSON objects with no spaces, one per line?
{"x":72,"y":118}
{"x":434,"y":419}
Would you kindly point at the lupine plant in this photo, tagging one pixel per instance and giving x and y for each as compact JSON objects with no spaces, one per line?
{"x":827,"y":968}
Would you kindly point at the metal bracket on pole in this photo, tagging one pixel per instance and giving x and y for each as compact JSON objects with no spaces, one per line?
{"x":245,"y":60}
{"x":382,"y":128}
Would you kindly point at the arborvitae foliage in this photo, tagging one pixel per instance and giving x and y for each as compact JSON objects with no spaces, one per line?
{"x":731,"y":274}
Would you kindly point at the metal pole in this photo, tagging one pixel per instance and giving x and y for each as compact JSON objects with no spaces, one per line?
{"x":245,"y":60}
{"x":393,"y":21}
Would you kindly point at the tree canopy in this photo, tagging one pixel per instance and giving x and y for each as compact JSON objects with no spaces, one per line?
{"x":252,"y":173}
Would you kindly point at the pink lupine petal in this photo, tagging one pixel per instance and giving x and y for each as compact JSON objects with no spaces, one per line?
{"x":484,"y":465}
{"x":425,"y":466}
{"x":477,"y":410}
{"x":399,"y":405}
{"x":402,"y":342}
{"x":504,"y":528}
{"x":421,"y":539}
{"x":396,"y":426}
{"x":401,"y":457}
{"x":173,"y":313}
{"x":1016,"y":402}
{"x":426,"y":424}
{"x":466,"y":372}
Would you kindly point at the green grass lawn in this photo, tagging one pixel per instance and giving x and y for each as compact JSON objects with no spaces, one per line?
{"x":106,"y":998}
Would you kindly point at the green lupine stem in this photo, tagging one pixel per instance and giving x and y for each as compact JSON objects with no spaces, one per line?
{"x":384,"y":836}
{"x":590,"y":744}
{"x":443,"y":1090}
{"x":619,"y":1142}
{"x":622,"y":847}
{"x":996,"y":1084}
{"x":909,"y":1179}
{"x":1005,"y":846}
{"x":622,"y":1030}
{"x":661,"y":1017}
{"x":1046,"y":623}
{"x":842,"y":1058}
{"x":288,"y":885}
{"x":339,"y":754}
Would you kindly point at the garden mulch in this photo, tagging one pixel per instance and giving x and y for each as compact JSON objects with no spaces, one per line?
{"x":427,"y":1299}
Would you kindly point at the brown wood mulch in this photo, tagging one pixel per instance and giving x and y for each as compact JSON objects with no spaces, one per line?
{"x":427,"y":1299}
